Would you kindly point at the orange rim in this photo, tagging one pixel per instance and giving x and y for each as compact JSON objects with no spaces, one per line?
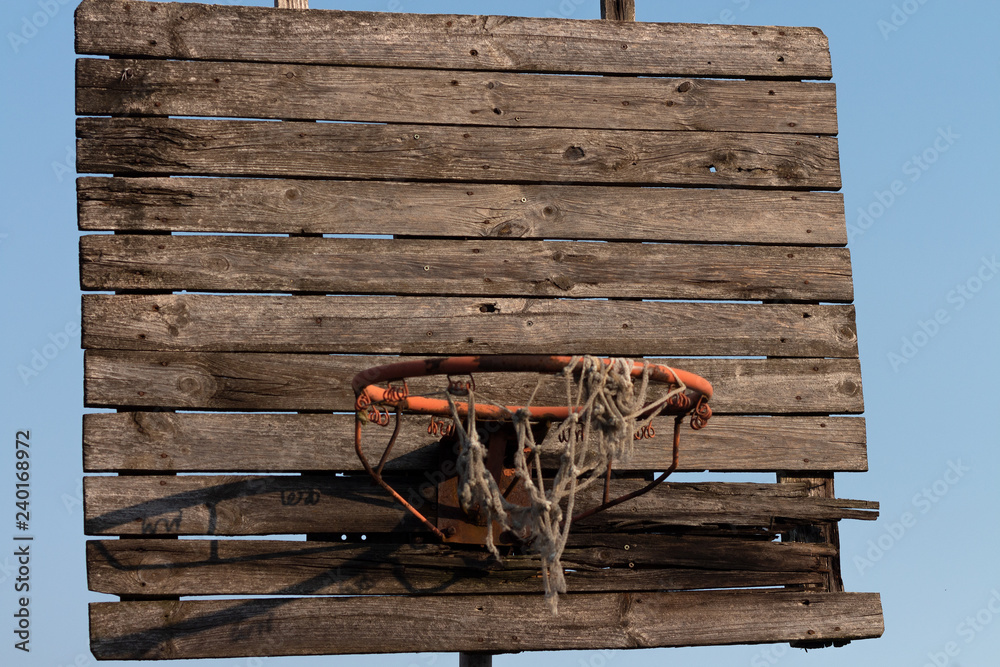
{"x":697,"y":388}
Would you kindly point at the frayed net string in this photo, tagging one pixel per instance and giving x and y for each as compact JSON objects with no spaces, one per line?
{"x":608,"y":406}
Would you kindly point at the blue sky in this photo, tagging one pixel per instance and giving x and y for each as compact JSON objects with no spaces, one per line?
{"x":918,"y":93}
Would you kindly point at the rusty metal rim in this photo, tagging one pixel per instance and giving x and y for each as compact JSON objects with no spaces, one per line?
{"x":364,"y":383}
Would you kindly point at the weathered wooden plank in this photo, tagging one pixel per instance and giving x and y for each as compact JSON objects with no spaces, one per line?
{"x":203,"y":505}
{"x":305,"y":626}
{"x":464,"y":268}
{"x":249,"y":90}
{"x":362,"y":579}
{"x":455,"y":325}
{"x":271,"y":382}
{"x":261,"y":505}
{"x":214,"y":32}
{"x":275,"y":206}
{"x":714,"y":505}
{"x":170,"y":441}
{"x":183,"y":146}
{"x":251,"y":567}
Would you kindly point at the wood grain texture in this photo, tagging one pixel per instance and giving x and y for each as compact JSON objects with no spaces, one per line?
{"x":618,"y":10}
{"x":261,"y":572}
{"x":454,"y":325}
{"x":593,"y":563}
{"x":214,"y":32}
{"x":169,"y":441}
{"x":242,"y":505}
{"x":464,"y":268}
{"x":292,"y":504}
{"x":388,"y":95}
{"x":188,"y":629}
{"x":820,"y":485}
{"x":271,"y":382}
{"x":495,"y":150}
{"x":276,"y":206}
{"x":179,"y":146}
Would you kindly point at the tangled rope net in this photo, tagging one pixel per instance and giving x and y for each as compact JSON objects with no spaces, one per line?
{"x":609,"y":407}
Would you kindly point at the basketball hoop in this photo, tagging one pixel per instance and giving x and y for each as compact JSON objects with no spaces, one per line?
{"x":608,"y":407}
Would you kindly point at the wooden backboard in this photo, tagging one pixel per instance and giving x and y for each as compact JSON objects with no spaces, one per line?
{"x":532,"y":185}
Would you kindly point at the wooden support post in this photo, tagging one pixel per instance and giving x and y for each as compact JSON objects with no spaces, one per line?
{"x":291,"y":4}
{"x":618,"y":10}
{"x":475,"y":660}
{"x":820,"y":486}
